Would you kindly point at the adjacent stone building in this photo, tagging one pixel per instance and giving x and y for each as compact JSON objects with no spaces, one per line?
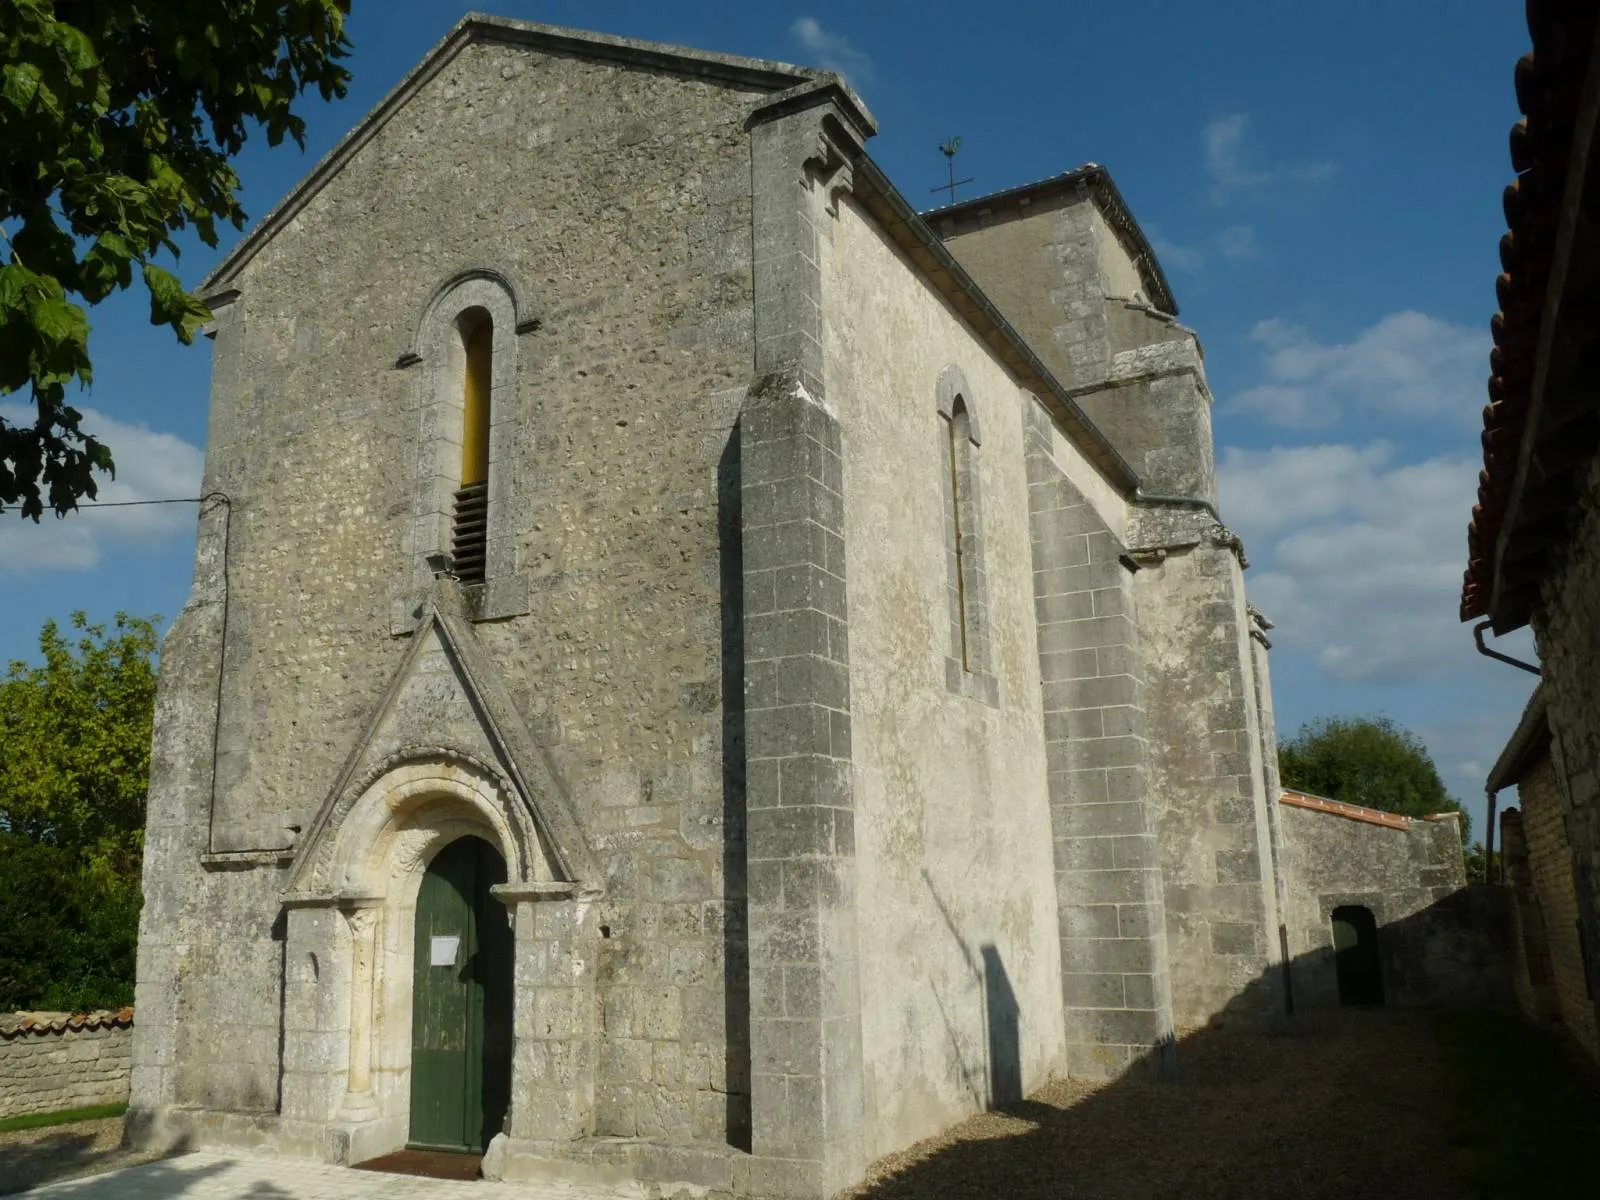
{"x":1549,"y":968}
{"x":695,"y":672}
{"x":1533,"y":556}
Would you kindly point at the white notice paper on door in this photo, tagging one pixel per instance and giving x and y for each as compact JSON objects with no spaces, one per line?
{"x":442,"y":951}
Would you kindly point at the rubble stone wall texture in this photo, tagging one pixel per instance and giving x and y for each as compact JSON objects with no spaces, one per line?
{"x":1439,"y":941}
{"x":629,"y":244}
{"x":1564,"y":627}
{"x":955,"y":902}
{"x":51,"y":1068}
{"x":1544,"y":827}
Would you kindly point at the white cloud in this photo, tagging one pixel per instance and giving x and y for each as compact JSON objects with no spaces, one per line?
{"x":1238,"y":241}
{"x":1173,"y":256}
{"x":1408,"y":365}
{"x":150,"y":466}
{"x":1229,"y":164}
{"x":831,"y":51}
{"x":1358,"y":557}
{"x":1224,"y":142}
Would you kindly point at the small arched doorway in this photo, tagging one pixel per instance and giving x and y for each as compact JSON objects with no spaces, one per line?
{"x":461,"y":1001}
{"x":1355,"y":955}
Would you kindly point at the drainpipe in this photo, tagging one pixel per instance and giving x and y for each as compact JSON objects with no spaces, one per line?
{"x":1488,"y":839}
{"x":1477,"y":636}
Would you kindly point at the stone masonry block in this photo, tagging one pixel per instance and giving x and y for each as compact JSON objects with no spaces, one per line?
{"x":779,"y":635}
{"x":814,"y":780}
{"x":1108,"y":752}
{"x":1127,"y":1027}
{"x":1139,"y":991}
{"x":1085,"y":854}
{"x":1109,"y":955}
{"x":1140,"y":850}
{"x":1099,"y":820}
{"x":786,"y":544}
{"x":1064,"y":606}
{"x":1078,"y":787}
{"x":1092,"y":991}
{"x":1238,"y":866}
{"x":791,"y":833}
{"x":1074,"y":723}
{"x":796,"y":729}
{"x":1080,"y":921}
{"x":1069,"y":664}
{"x":1116,"y":691}
{"x":1106,"y":887}
{"x":1235,"y":938}
{"x":807,"y":585}
{"x":1139,"y":920}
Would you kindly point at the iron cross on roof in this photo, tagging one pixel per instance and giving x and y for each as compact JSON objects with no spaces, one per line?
{"x":948,"y":149}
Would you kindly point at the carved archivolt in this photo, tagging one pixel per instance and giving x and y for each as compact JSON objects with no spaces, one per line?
{"x":402,"y":811}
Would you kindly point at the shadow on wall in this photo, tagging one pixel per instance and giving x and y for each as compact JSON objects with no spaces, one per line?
{"x":1454,"y":952}
{"x":1359,"y":1102}
{"x":735,"y":912}
{"x":998,"y":1080}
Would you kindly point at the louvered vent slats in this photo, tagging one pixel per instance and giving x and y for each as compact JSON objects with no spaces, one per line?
{"x":469,"y":538}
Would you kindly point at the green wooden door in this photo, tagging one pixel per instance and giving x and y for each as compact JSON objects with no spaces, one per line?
{"x":1355,"y":955}
{"x":460,"y":1001}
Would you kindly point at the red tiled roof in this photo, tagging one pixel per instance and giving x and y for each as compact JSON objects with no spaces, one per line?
{"x":1549,"y":81}
{"x":14,"y":1025}
{"x":1356,"y":812}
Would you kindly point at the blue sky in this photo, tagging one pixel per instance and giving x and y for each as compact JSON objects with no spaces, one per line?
{"x":1321,"y":182}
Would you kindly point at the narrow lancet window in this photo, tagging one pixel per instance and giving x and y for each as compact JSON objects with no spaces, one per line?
{"x":958,"y":438}
{"x":468,"y":549}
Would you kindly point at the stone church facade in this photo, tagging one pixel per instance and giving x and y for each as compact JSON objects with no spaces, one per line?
{"x":818,"y":613}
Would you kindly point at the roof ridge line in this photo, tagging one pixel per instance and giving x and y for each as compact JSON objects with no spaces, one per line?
{"x":765,"y":73}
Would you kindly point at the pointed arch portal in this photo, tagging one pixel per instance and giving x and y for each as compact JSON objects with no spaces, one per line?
{"x":446,"y":823}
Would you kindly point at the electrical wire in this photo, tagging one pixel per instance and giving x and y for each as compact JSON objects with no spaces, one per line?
{"x":133,"y":503}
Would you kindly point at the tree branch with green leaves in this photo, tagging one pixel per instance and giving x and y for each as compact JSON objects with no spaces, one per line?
{"x":118,"y":123}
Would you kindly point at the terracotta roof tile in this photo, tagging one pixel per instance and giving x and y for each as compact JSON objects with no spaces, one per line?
{"x":38,"y":1024}
{"x":1355,"y":812}
{"x":1549,"y":83}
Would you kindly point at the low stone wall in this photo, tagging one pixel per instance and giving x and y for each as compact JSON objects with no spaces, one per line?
{"x":55,"y":1061}
{"x":1439,"y":941}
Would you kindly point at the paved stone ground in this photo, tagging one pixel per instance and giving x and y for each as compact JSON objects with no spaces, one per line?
{"x":207,"y":1176}
{"x":1354,"y":1105}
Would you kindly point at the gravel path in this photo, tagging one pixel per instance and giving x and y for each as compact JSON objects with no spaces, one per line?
{"x":1352,"y":1105}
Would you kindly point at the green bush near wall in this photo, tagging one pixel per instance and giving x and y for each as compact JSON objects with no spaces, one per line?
{"x":75,"y":731}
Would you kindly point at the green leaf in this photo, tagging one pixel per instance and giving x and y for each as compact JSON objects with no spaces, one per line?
{"x":75,"y":48}
{"x":20,"y":84}
{"x":171,"y":305}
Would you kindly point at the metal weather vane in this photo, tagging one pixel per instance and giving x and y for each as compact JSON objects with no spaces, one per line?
{"x":948,"y":149}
